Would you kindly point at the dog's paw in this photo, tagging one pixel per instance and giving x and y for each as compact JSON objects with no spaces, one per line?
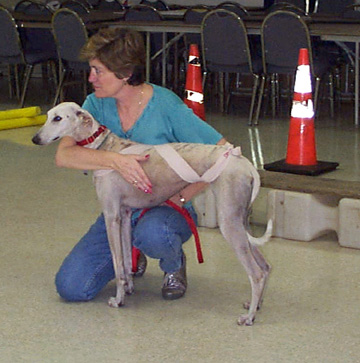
{"x":246,"y":320}
{"x":115,"y":303}
{"x":129,"y":288}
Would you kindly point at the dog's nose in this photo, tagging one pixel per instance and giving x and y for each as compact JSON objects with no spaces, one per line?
{"x":36,"y":140}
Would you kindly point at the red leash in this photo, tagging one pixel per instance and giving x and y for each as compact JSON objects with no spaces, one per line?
{"x":190,"y":222}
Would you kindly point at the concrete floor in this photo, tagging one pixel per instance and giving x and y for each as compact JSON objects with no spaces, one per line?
{"x":311,"y":307}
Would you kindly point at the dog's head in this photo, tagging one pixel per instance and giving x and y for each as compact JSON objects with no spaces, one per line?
{"x":66,"y":119}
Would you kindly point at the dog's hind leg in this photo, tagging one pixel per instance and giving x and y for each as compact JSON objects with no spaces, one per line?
{"x":266,"y":269}
{"x":232,"y":222}
{"x":238,"y":239}
{"x":260,"y":261}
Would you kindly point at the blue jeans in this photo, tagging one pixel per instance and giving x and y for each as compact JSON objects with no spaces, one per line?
{"x":159,"y":234}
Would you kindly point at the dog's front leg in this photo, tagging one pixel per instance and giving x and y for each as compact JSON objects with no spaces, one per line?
{"x":113,"y":222}
{"x":125,"y":232}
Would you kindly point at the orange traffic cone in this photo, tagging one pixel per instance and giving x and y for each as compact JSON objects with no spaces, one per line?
{"x":301,"y":148}
{"x":301,"y":142}
{"x":194,"y":96}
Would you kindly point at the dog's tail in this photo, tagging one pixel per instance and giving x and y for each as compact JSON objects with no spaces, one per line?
{"x":259,"y":241}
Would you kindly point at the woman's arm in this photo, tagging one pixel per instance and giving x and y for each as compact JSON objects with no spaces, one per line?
{"x":192,"y":189}
{"x":70,"y":155}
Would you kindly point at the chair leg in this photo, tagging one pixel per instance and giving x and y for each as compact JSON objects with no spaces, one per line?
{"x":10,"y":83}
{"x":54,"y":74}
{"x":204,"y":80}
{"x":274,"y":90}
{"x":221,"y":91}
{"x":227,"y":92}
{"x":289,"y":91}
{"x":260,"y":98}
{"x":331,"y":94}
{"x":28,"y":71}
{"x":253,"y":99}
{"x":60,"y":85}
{"x":17,"y":81}
{"x":316,"y":94}
{"x":84,"y":85}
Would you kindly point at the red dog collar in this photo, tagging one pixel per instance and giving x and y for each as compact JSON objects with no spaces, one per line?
{"x":93,"y":137}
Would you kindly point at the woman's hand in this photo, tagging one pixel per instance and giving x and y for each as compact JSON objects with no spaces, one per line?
{"x":188,"y":193}
{"x":129,"y":166}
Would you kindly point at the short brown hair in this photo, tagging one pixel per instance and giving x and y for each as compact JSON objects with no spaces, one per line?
{"x":122,"y":51}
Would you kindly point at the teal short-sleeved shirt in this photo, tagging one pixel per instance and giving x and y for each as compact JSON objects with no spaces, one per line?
{"x":165,"y":119}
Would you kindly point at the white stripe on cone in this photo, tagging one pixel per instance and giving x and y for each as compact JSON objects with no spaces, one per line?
{"x":191,"y":58}
{"x":194,"y":96}
{"x":303,"y":79}
{"x":303,"y":109}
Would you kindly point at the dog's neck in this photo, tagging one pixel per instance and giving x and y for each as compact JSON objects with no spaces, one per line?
{"x":96,"y":137}
{"x":102,"y":138}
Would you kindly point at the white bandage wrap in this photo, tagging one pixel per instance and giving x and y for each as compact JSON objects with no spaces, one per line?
{"x":179,"y":165}
{"x":186,"y":172}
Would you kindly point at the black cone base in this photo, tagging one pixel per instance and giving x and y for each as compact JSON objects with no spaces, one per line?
{"x":313,"y":170}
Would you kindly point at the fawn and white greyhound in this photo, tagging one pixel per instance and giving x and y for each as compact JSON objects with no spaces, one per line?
{"x":235,"y":186}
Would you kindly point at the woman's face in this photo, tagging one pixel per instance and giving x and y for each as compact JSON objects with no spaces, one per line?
{"x":104,"y":82}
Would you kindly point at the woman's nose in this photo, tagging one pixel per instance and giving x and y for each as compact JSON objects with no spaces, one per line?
{"x":92,"y":76}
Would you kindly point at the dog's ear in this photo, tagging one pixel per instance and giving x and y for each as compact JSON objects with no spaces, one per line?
{"x":85,"y":118}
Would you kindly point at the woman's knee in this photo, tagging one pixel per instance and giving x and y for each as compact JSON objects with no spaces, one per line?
{"x":68,"y":287}
{"x":74,"y":283}
{"x":88,"y":267}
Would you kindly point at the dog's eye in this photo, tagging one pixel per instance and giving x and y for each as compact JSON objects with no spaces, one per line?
{"x":57,"y":118}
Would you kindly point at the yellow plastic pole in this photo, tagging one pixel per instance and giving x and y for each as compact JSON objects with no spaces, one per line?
{"x":22,"y":122}
{"x":20,"y":113}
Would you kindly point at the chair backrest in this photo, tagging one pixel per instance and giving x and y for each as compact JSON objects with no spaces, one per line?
{"x":70,"y":34}
{"x":225,"y":44}
{"x":77,"y":6}
{"x":234,"y":7}
{"x":332,"y":6}
{"x":157,"y":4}
{"x":36,"y":39}
{"x":10,"y":45}
{"x":280,"y":47}
{"x":32,"y":7}
{"x":110,"y":5}
{"x":142,"y":12}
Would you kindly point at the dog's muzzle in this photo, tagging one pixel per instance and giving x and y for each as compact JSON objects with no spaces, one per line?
{"x":36,"y":140}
